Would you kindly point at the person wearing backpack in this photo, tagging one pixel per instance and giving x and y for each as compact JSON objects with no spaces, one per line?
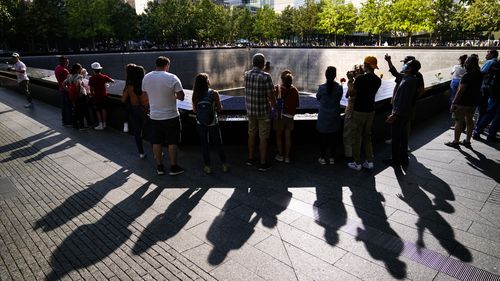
{"x":492,"y":114}
{"x":206,"y":104}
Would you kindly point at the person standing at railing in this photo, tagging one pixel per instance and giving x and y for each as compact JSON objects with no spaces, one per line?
{"x":164,"y":89}
{"x":61,"y":72}
{"x":99,"y":94}
{"x":22,"y":78}
{"x":139,"y":103}
{"x":259,"y":101}
{"x":328,"y":95}
{"x":363,"y":89}
{"x":456,"y":74}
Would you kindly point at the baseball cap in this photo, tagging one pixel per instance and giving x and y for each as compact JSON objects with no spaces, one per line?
{"x":408,"y":58}
{"x":15,"y":55}
{"x":96,"y":65}
{"x":258,"y":58}
{"x":372,"y":61}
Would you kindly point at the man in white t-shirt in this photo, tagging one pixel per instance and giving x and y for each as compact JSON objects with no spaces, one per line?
{"x":22,"y":78}
{"x":163,"y":90}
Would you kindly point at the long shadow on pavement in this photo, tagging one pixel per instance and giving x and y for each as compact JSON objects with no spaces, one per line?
{"x":91,"y":243}
{"x":428,"y":215}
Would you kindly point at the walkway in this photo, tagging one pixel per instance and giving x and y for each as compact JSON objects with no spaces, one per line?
{"x":80,"y":205}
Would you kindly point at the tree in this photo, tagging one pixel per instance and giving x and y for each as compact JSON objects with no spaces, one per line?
{"x":266,"y":24}
{"x":287,"y":26}
{"x":122,"y":19}
{"x":94,"y":25}
{"x":411,"y":16}
{"x":244,"y":23}
{"x":47,"y":22}
{"x":7,"y":15}
{"x":337,"y":18}
{"x":307,"y":19}
{"x":373,"y":18}
{"x":482,"y":15}
{"x":444,"y":18}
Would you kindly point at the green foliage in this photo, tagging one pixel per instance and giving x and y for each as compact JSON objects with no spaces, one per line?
{"x":482,"y":15}
{"x":374,"y":18}
{"x":287,"y":27}
{"x":411,"y":16}
{"x":306,"y":19}
{"x":266,"y":24}
{"x":337,"y":18}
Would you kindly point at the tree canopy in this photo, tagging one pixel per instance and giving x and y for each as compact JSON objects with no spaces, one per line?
{"x":93,"y":24}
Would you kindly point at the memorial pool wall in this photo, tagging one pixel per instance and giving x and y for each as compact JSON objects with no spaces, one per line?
{"x":226,"y":67}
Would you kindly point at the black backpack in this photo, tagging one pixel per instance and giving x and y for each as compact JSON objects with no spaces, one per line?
{"x":205,"y":110}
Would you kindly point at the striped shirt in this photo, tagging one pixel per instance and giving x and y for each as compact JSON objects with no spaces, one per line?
{"x":258,"y":84}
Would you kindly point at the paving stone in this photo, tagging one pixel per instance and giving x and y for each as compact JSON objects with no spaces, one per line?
{"x":231,"y":270}
{"x":485,"y":231}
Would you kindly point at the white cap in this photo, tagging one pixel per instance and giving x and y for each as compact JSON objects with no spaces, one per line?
{"x":96,"y":65}
{"x":15,"y":55}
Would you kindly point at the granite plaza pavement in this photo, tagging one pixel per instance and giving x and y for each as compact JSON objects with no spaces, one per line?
{"x":81,"y":205}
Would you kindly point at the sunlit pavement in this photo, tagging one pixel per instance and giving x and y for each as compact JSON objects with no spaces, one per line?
{"x":82,"y":205}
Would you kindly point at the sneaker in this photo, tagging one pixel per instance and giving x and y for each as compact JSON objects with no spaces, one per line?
{"x":176,"y":170}
{"x":476,"y":136}
{"x":225,"y":168}
{"x":207,"y":169}
{"x":142,"y":155}
{"x":368,"y":165}
{"x":287,"y":160}
{"x":389,"y":141}
{"x":28,"y":105}
{"x":322,"y":161}
{"x":466,"y":144}
{"x":264,"y":167}
{"x":99,"y":127}
{"x":279,"y":158}
{"x":250,"y":162}
{"x":453,"y":144}
{"x":125,"y":127}
{"x":84,"y":128}
{"x":331,"y":161}
{"x":354,"y":166}
{"x":160,"y":169}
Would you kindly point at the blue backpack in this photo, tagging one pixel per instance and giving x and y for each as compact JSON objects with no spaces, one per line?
{"x":205,"y":110}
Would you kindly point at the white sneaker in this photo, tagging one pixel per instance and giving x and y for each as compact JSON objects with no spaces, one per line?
{"x":368,"y":165}
{"x":287,"y":160}
{"x":354,"y":166}
{"x":125,"y":127}
{"x":142,"y":155}
{"x":331,"y":161}
{"x":279,"y":158}
{"x":322,"y":161}
{"x":99,"y":127}
{"x":389,"y":141}
{"x":28,"y":105}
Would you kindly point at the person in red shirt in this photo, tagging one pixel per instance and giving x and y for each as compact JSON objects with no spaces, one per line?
{"x":62,"y":73}
{"x":99,"y":94}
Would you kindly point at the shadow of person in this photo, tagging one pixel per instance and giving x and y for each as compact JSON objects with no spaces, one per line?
{"x":369,"y":207}
{"x":330,"y":211}
{"x":81,"y":201}
{"x":239,"y":216}
{"x":26,"y":141}
{"x":168,"y":224}
{"x":91,"y":243}
{"x":487,"y":166}
{"x":428,"y":216}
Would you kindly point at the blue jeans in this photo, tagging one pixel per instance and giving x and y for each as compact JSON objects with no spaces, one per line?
{"x":211,"y":134}
{"x":66,"y":108}
{"x":137,"y":122}
{"x":453,"y":89}
{"x":492,"y":115}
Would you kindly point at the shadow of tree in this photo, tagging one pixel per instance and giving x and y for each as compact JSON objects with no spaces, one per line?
{"x":91,"y":243}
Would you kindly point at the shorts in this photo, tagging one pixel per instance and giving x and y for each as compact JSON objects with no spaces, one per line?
{"x":462,"y":112}
{"x":166,"y":131}
{"x":260,"y":124}
{"x":286,"y":123}
{"x":100,"y":104}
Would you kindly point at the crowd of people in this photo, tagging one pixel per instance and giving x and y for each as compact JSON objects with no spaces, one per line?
{"x":152,"y":99}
